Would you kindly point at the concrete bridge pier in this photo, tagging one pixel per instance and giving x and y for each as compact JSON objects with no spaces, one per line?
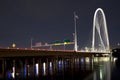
{"x":3,"y":68}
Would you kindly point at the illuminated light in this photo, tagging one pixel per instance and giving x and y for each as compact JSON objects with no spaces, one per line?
{"x":13,"y":73}
{"x":92,"y":63}
{"x":87,"y":59}
{"x":50,"y":68}
{"x":50,"y":64}
{"x":60,"y":62}
{"x":114,"y":59}
{"x":77,"y":60}
{"x":82,"y":63}
{"x":25,"y":70}
{"x":82,"y":60}
{"x":37,"y":69}
{"x":86,"y":49}
{"x":44,"y":68}
{"x":106,"y":59}
{"x":57,"y":42}
{"x":9,"y":75}
{"x":67,"y":41}
{"x":100,"y":27}
{"x":13,"y":45}
{"x":95,"y":59}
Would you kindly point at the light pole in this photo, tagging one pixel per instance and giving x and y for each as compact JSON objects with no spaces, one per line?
{"x":75,"y":33}
{"x":31,"y":43}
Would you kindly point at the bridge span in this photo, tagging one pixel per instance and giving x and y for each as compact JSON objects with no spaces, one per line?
{"x":29,"y":52}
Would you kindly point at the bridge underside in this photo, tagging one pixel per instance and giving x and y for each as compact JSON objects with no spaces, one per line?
{"x":41,"y":53}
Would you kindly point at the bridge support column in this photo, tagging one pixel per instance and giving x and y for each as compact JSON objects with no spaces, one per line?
{"x":47,"y":63}
{"x":54,"y":65}
{"x":3,"y":67}
{"x":33,"y":61}
{"x":40,"y":66}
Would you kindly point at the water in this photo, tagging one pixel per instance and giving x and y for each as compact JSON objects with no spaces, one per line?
{"x":55,"y":68}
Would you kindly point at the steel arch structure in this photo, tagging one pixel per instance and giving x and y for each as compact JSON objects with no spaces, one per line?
{"x":99,"y":22}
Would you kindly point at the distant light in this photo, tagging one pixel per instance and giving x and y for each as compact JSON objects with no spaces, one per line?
{"x":13,"y":45}
{"x":65,"y":42}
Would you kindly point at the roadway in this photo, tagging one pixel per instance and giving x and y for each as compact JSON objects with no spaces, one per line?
{"x":26,"y":52}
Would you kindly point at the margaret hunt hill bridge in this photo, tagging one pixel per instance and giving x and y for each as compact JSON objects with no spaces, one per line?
{"x":100,"y":42}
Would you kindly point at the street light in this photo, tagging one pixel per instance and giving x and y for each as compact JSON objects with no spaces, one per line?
{"x":13,"y":45}
{"x":31,"y":43}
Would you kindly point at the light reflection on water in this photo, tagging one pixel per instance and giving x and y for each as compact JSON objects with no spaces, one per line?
{"x":103,"y":72}
{"x":44,"y":69}
{"x":59,"y":68}
{"x":50,"y":68}
{"x":36,"y":69}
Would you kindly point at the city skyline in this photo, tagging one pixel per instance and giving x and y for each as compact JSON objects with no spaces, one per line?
{"x":47,"y":21}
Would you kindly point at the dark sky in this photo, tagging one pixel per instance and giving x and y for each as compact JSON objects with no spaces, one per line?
{"x":50,"y":20}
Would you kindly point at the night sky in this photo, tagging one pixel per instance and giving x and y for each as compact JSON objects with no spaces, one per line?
{"x":51,"y":20}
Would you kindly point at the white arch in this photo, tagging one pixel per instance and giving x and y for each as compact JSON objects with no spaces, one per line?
{"x":98,"y":30}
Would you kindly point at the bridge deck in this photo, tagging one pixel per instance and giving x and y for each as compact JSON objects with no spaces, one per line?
{"x":37,"y":52}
